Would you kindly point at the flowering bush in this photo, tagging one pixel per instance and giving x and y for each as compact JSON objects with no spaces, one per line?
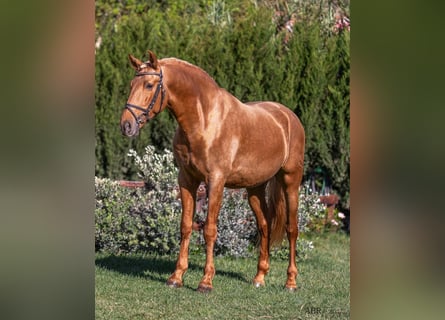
{"x":134,"y":220}
{"x":331,"y":219}
{"x":157,"y":170}
{"x":140,"y":219}
{"x":236,"y":226}
{"x":148,"y":219}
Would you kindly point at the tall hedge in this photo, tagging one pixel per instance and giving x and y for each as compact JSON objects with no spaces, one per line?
{"x":242,"y":48}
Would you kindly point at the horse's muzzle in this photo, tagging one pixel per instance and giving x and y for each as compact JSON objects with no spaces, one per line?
{"x":129,"y":128}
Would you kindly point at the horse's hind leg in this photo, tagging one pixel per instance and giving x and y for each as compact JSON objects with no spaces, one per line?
{"x":257,"y":202}
{"x":292,"y":183}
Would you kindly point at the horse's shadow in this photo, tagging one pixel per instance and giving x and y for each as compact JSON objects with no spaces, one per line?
{"x":154,"y":268}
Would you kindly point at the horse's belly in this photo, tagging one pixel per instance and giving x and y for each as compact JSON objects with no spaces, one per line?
{"x":254,"y":161}
{"x":237,"y":182}
{"x":252,"y":173}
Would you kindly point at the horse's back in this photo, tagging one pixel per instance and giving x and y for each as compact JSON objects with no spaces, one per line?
{"x":283,"y":116}
{"x":277,"y":109}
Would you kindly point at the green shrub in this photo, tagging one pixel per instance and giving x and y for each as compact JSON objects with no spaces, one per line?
{"x":130,"y":220}
{"x":140,"y":219}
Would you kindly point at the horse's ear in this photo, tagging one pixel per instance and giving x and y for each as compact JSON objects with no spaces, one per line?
{"x":135,"y":62}
{"x":153,"y":60}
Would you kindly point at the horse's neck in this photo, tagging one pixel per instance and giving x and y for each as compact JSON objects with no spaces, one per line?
{"x":191,"y":93}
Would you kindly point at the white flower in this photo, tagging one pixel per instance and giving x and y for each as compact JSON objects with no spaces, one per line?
{"x":335,"y":223}
{"x":341,"y":215}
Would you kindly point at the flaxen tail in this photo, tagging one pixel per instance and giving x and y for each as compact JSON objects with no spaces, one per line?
{"x":276,"y":211}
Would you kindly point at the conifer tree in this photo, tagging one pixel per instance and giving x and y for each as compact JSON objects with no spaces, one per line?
{"x":243,"y":50}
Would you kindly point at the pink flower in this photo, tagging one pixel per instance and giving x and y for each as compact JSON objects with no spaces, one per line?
{"x":342,"y":23}
{"x":341,"y":215}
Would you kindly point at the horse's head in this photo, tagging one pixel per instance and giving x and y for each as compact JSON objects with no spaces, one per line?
{"x":147,"y":95}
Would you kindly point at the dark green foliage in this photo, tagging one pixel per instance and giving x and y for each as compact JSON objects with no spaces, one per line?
{"x":242,"y":48}
{"x":324,"y":98}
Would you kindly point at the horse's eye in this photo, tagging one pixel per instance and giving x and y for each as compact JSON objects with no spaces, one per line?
{"x":148,"y":86}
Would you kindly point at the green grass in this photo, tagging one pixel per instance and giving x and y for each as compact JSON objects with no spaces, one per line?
{"x":133,"y":287}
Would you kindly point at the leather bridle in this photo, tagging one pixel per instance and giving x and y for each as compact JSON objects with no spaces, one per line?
{"x":146,"y":111}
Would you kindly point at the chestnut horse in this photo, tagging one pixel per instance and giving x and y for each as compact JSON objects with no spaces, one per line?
{"x":224,"y":143}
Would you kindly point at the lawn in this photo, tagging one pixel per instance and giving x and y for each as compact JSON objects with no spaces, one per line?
{"x":133,"y":287}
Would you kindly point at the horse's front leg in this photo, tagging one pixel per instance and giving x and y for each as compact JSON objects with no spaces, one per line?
{"x":216,"y":188}
{"x":188,"y":188}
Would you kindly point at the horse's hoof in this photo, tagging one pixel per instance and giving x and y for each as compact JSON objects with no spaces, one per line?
{"x":259,"y":284}
{"x":291,"y":289}
{"x":174,"y":284}
{"x":204,"y":288}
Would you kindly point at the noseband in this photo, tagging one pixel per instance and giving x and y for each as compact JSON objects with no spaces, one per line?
{"x":145,"y":111}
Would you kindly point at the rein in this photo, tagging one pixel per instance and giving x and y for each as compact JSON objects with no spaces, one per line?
{"x":145,"y":111}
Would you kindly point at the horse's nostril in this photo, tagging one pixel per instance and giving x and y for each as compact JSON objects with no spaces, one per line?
{"x":127,"y":128}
